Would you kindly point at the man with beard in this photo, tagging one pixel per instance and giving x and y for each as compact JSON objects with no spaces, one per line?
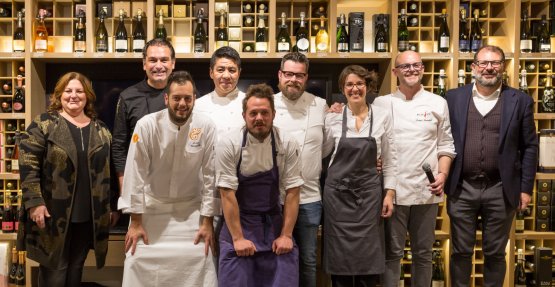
{"x":493,"y":173}
{"x":169,"y":191}
{"x":422,"y":136}
{"x":301,"y":115}
{"x":252,"y":165}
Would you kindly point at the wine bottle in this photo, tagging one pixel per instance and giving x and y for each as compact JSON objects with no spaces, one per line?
{"x":444,"y":36}
{"x":248,"y":21}
{"x":413,"y":21}
{"x":544,"y":41}
{"x":548,"y":99}
{"x":247,"y":7}
{"x":530,"y":67}
{"x":519,"y":222}
{"x":41,"y":34}
{"x":101,"y":36}
{"x":523,"y":85}
{"x":319,"y":11}
{"x":261,"y":44}
{"x":402,"y":277}
{"x":5,"y":12}
{"x":7,"y":217}
{"x":139,"y":35}
{"x":15,"y":157}
{"x":342,"y":35}
{"x":121,"y":34}
{"x":505,"y":78}
{"x":263,"y":7}
{"x":403,"y":34}
{"x":462,"y":78}
{"x":476,"y":35}
{"x":160,"y":28}
{"x":13,"y":269}
{"x":221,"y":33}
{"x":200,"y":33}
{"x":283,"y":39}
{"x":520,"y":274}
{"x":441,"y":84}
{"x":544,"y":67}
{"x":412,"y":7}
{"x":464,"y":44}
{"x":20,"y":274}
{"x":438,"y":273}
{"x":525,"y":40}
{"x":302,"y":42}
{"x":19,"y":34}
{"x":322,"y":37}
{"x":79,"y":43}
{"x":381,"y":40}
{"x":19,"y":96}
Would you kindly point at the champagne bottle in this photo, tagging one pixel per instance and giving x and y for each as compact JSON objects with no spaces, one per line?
{"x":19,"y":34}
{"x":247,"y":7}
{"x":302,"y":42}
{"x":412,"y":7}
{"x":248,"y":21}
{"x":79,"y":44}
{"x":530,"y":67}
{"x":101,"y":37}
{"x":322,"y":37}
{"x":19,"y":96}
{"x":462,"y":78}
{"x":13,"y":269}
{"x":441,"y":84}
{"x":523,"y":87}
{"x":139,"y":35}
{"x":221,"y":33}
{"x":438,"y":273}
{"x":505,"y":78}
{"x":519,"y":222}
{"x":544,"y":67}
{"x":464,"y":44}
{"x":342,"y":35}
{"x":381,"y":40}
{"x":444,"y":36}
{"x":263,"y":7}
{"x":548,"y":99}
{"x":5,"y":12}
{"x":7,"y":217}
{"x":161,"y":29}
{"x":544,"y":41}
{"x":520,"y":274}
{"x":525,"y":40}
{"x":41,"y":34}
{"x":15,"y":158}
{"x":476,"y":35}
{"x":402,"y":277}
{"x":20,"y":274}
{"x":261,"y":44}
{"x":283,"y":39}
{"x":121,"y":34}
{"x":200,"y":33}
{"x":403,"y":34}
{"x":412,"y":21}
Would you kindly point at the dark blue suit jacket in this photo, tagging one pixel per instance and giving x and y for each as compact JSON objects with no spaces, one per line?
{"x":518,"y":144}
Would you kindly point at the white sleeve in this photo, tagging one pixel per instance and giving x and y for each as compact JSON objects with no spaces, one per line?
{"x":329,"y":141}
{"x":445,"y":143}
{"x":227,"y":157}
{"x":210,"y":205}
{"x":389,"y":155}
{"x":292,"y":165}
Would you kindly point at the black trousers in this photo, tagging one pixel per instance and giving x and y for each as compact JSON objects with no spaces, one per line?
{"x":355,"y":280}
{"x":78,"y":243}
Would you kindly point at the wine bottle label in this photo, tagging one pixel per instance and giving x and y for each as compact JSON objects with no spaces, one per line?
{"x":548,"y":100}
{"x":220,"y":44}
{"x":322,"y":47}
{"x":343,"y":47}
{"x":357,"y":46}
{"x":138,"y":45}
{"x":525,"y":45}
{"x":403,"y":45}
{"x":476,"y":44}
{"x":444,"y":42}
{"x":19,"y":45}
{"x":261,"y":47}
{"x":545,"y":48}
{"x":40,"y":45}
{"x":438,"y":283}
{"x":303,"y":44}
{"x":464,"y":45}
{"x":382,"y":47}
{"x":7,"y":226}
{"x":79,"y":46}
{"x":121,"y":44}
{"x":413,"y":22}
{"x":199,"y":48}
{"x":283,"y":47}
{"x":519,"y":225}
{"x":17,"y":106}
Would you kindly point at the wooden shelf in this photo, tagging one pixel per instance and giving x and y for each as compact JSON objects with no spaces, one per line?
{"x":543,"y":175}
{"x":535,"y":235}
{"x":12,"y":116}
{"x":8,"y":236}
{"x":9,"y":176}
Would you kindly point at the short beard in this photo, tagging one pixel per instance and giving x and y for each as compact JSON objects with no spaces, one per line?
{"x":178,"y":120}
{"x":487,"y":83}
{"x":261,"y":135}
{"x":291,"y":96}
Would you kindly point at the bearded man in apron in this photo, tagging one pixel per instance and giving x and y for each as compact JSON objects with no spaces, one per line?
{"x":354,"y":203}
{"x":256,"y":244}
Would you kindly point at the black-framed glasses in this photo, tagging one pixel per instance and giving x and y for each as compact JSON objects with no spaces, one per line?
{"x":415,"y":66}
{"x":484,"y":64}
{"x":288,"y":75}
{"x":359,"y":85}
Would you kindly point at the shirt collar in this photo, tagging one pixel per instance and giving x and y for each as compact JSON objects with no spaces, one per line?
{"x":232,"y":95}
{"x":400,"y":95}
{"x":492,"y":97}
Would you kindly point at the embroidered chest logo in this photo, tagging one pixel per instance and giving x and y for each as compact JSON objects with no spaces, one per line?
{"x":423,"y":117}
{"x":195,"y":133}
{"x":135,"y":138}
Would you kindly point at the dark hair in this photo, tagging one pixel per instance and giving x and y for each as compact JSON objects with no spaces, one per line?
{"x":490,"y":48}
{"x":295,"y":57}
{"x":370,"y":77}
{"x":228,"y":53}
{"x":261,"y":91}
{"x":55,"y":98}
{"x":161,"y":43}
{"x":180,"y":78}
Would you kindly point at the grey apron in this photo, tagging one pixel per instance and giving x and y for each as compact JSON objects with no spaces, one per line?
{"x":354,"y":241}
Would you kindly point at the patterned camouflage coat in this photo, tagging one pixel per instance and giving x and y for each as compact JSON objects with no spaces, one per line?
{"x":48,"y":168}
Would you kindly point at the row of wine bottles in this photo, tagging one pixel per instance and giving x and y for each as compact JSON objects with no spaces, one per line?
{"x":17,"y":268}
{"x":538,"y":40}
{"x":438,"y":270}
{"x":17,"y":102}
{"x":10,"y":222}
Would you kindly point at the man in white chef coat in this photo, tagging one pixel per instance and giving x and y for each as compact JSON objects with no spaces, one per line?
{"x":168,"y":189}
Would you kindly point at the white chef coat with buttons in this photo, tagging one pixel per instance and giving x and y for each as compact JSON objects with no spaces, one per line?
{"x":226,"y":112}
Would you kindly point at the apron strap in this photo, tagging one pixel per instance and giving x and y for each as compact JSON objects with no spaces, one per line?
{"x":244,"y":142}
{"x":344,"y":122}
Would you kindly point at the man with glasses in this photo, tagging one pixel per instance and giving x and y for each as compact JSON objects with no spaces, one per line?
{"x":301,"y":115}
{"x":493,"y":173}
{"x":422,"y":136}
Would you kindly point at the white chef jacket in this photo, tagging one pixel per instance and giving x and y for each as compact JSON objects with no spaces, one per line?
{"x":422,"y":133}
{"x":382,"y":131}
{"x":303,"y":120}
{"x":170,"y":164}
{"x":257,"y":157}
{"x":226,"y":112}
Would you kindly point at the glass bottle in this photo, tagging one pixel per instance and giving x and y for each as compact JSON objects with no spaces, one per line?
{"x":139,"y":35}
{"x":200,"y":33}
{"x":412,"y":7}
{"x":402,"y":277}
{"x":438,"y":273}
{"x":322,"y":37}
{"x":160,"y":28}
{"x":403,"y":34}
{"x":520,"y":274}
{"x":544,"y":40}
{"x":121,"y":34}
{"x":441,"y":83}
{"x":519,"y":226}
{"x":80,"y":37}
{"x":381,"y":40}
{"x":41,"y":34}
{"x":548,"y":99}
{"x":19,"y":96}
{"x":444,"y":36}
{"x":13,"y":268}
{"x":525,"y":40}
{"x":261,"y":44}
{"x":19,"y":34}
{"x":302,"y":42}
{"x":101,"y":36}
{"x":342,"y":35}
{"x":247,"y":7}
{"x":464,"y":44}
{"x":523,"y":87}
{"x":476,"y":35}
{"x":7,"y":217}
{"x":283,"y":39}
{"x":462,"y":78}
{"x":20,"y":275}
{"x":221,"y":33}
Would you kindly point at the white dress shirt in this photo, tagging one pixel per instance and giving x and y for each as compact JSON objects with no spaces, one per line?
{"x":422,"y":133}
{"x":484,"y":104}
{"x":303,"y":120}
{"x":168,"y":164}
{"x":257,"y":157}
{"x":381,"y":130}
{"x":226,"y":112}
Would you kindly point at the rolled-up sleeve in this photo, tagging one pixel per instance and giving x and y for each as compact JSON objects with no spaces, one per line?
{"x":445,"y":143}
{"x":291,"y":165}
{"x":211,"y":204}
{"x":227,"y":157}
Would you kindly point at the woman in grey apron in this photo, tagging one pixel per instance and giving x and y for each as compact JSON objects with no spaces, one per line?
{"x":354,"y":201}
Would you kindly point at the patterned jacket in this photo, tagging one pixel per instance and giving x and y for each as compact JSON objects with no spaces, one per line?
{"x":48,"y":159}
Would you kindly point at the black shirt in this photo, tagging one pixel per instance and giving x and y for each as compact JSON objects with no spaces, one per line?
{"x":81,"y":211}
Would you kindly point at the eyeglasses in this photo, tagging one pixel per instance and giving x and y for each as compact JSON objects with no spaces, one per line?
{"x":405,"y":67}
{"x":359,"y":85}
{"x":288,"y":75}
{"x":484,"y":64}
